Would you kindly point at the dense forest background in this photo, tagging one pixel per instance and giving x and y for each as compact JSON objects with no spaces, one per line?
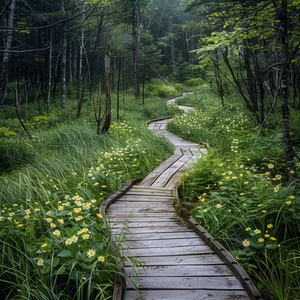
{"x":62,"y":52}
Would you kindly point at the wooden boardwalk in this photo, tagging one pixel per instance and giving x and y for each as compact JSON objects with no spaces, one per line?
{"x":176,"y":261}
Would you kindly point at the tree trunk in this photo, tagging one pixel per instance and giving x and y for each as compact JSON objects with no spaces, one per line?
{"x":49,"y":72}
{"x":288,"y":148}
{"x":136,"y":45}
{"x":6,"y":55}
{"x":64,"y":63}
{"x":107,"y":119}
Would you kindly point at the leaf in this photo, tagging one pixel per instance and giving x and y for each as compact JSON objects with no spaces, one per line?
{"x":65,"y":253}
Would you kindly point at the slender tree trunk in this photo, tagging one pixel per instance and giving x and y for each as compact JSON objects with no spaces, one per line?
{"x":64,"y":63}
{"x":288,"y":148}
{"x":136,"y":37}
{"x":107,"y":119}
{"x":6,"y":55}
{"x":49,"y":72}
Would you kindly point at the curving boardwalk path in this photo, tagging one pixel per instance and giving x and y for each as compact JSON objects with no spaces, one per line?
{"x":177,"y":261}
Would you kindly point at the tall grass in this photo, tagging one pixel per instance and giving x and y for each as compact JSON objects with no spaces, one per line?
{"x":239,"y":192}
{"x":52,"y":241}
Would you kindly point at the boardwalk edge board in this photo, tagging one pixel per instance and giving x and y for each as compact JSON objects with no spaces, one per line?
{"x":226,"y":256}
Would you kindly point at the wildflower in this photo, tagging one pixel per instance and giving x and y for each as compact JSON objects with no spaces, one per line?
{"x":276,"y":189}
{"x":220,"y":182}
{"x":20,"y":225}
{"x":74,"y":238}
{"x":86,"y":236}
{"x":99,"y":216}
{"x":67,"y":196}
{"x":57,"y":233}
{"x":261,"y":240}
{"x":79,"y":218}
{"x":101,"y":258}
{"x":90,"y":253}
{"x":40,"y":262}
{"x":77,"y":209}
{"x":257,"y":231}
{"x":289,"y":202}
{"x":246,"y":243}
{"x":271,"y":166}
{"x":61,"y":207}
{"x":264,"y":211}
{"x":270,"y":225}
{"x":52,"y":225}
{"x":61,"y":221}
{"x":266,"y":235}
{"x":219,"y":205}
{"x":292,"y":197}
{"x":44,"y":245}
{"x":68,"y":241}
{"x":1,"y":218}
{"x":246,"y":182}
{"x":272,"y":238}
{"x":248,"y":229}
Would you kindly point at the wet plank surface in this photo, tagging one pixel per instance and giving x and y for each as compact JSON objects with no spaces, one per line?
{"x":171,"y":260}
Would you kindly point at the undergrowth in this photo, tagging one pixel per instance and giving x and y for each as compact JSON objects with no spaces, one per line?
{"x":53,"y":240}
{"x":239,"y":191}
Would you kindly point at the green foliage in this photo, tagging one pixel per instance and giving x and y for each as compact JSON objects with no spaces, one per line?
{"x":239,"y":193}
{"x":162,"y":91}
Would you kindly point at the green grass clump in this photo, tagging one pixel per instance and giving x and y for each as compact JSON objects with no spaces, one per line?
{"x":239,"y":192}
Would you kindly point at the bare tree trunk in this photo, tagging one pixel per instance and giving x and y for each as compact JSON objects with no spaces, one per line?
{"x":136,"y":46}
{"x":49,"y":72}
{"x":64,"y":63}
{"x":288,"y":148}
{"x":6,"y":55}
{"x":107,"y":119}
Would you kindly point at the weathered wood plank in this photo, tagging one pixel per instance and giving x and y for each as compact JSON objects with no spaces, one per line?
{"x":145,"y":198}
{"x":144,"y":223}
{"x":187,"y":260}
{"x":217,"y":283}
{"x":157,"y":229}
{"x":167,"y":243}
{"x":185,"y":250}
{"x":141,"y":209}
{"x":156,"y":236}
{"x":186,"y":295}
{"x":180,"y":270}
{"x":116,"y":214}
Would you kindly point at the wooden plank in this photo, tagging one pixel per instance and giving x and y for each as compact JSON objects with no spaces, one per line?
{"x":167,"y":243}
{"x":141,"y":209}
{"x":157,"y":229}
{"x":180,"y":270}
{"x":140,"y":252}
{"x":218,"y":283}
{"x":155,"y":236}
{"x":145,"y":198}
{"x":187,"y":260}
{"x":144,"y":223}
{"x":198,"y":294}
{"x":116,"y":214}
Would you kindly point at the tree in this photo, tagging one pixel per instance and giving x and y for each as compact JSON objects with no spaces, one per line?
{"x":7,"y":49}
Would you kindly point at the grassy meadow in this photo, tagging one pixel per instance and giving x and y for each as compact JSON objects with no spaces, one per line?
{"x":52,"y":237}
